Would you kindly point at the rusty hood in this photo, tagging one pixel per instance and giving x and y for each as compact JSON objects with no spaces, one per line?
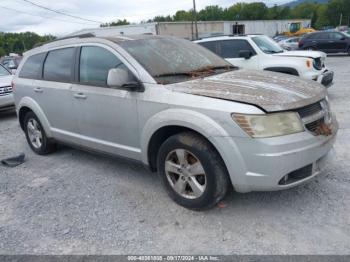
{"x":267,"y":90}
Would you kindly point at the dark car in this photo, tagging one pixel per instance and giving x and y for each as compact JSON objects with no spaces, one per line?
{"x":328,"y":42}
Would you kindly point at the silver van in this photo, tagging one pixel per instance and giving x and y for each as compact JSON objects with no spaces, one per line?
{"x":201,"y":123}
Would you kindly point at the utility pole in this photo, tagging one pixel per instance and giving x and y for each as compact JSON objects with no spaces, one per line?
{"x":195,"y":19}
{"x":341,"y":19}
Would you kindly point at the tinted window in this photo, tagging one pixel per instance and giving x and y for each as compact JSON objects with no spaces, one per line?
{"x":210,"y":45}
{"x":58,"y":65}
{"x":336,"y":36}
{"x":95,"y":62}
{"x":231,"y":48}
{"x":32,"y":67}
{"x":323,"y":36}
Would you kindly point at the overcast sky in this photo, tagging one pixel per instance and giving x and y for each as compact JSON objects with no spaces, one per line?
{"x":32,"y":18}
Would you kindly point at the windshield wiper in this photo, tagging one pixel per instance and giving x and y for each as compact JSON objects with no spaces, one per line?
{"x":198,"y":72}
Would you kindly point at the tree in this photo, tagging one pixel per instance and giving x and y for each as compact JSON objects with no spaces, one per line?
{"x":116,"y":23}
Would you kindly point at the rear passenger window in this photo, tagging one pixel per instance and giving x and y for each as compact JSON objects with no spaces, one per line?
{"x":32,"y":67}
{"x":210,"y":45}
{"x":95,"y":63}
{"x":231,"y":48}
{"x":59,"y":65}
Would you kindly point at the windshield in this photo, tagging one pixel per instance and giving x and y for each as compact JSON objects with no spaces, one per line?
{"x":4,"y":72}
{"x":267,"y":45}
{"x":171,"y":60}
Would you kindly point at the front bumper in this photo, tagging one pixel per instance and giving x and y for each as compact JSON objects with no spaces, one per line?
{"x":261,"y":164}
{"x":6,"y":102}
{"x":326,"y":78}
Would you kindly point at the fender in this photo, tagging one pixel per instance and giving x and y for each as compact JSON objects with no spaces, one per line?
{"x":205,"y":126}
{"x":34,"y":106}
{"x":286,"y":70}
{"x":179,"y":117}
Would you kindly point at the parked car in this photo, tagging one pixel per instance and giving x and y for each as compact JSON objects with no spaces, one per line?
{"x":178,"y":108}
{"x":6,"y":98}
{"x":279,"y":38}
{"x":260,"y":52}
{"x":11,"y":62}
{"x":290,"y":44}
{"x":329,"y":42}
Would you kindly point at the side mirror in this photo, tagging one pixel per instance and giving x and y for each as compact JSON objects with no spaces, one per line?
{"x":246,"y":54}
{"x":121,"y":78}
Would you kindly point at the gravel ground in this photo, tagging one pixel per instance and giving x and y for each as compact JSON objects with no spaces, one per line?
{"x":74,"y":202}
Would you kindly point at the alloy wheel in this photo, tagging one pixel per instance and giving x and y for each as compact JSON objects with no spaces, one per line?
{"x":34,"y":133}
{"x":185,"y":174}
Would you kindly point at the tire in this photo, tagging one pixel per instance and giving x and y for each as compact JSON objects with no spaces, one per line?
{"x":36,"y":136}
{"x":188,"y":187}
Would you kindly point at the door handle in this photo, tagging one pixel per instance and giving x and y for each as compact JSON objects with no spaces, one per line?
{"x":80,"y":96}
{"x":38,"y":90}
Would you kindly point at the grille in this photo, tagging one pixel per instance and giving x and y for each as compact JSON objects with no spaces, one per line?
{"x":5,"y":90}
{"x":296,"y":175}
{"x":308,"y":112}
{"x":314,"y":125}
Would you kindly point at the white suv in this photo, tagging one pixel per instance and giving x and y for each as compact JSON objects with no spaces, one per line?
{"x":260,"y":52}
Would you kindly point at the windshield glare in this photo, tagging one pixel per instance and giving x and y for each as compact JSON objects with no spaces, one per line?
{"x":267,"y":45}
{"x":4,"y":72}
{"x":171,"y":57}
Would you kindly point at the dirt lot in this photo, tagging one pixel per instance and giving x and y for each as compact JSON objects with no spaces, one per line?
{"x":73,"y":202}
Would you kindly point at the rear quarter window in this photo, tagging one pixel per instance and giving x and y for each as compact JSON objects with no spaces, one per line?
{"x":59,"y":65}
{"x":32,"y":67}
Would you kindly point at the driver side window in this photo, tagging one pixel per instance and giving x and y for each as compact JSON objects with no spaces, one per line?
{"x":95,"y":63}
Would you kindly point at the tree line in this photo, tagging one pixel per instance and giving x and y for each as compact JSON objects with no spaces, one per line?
{"x":20,"y":42}
{"x":320,"y":14}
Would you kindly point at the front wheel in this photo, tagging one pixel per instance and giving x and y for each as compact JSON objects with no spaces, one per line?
{"x":192,"y":171}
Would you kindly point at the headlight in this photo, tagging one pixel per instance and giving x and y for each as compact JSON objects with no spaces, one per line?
{"x":269,"y":125}
{"x":317,"y":63}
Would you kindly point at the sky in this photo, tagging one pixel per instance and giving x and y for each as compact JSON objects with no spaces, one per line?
{"x":22,"y":16}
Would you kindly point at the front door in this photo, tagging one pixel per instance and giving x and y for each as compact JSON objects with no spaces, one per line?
{"x":107,"y":117}
{"x":230,"y":50}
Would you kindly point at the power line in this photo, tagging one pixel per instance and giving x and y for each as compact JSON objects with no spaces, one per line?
{"x":51,"y":18}
{"x":61,"y":13}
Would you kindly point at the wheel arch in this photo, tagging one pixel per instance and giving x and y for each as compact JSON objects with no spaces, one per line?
{"x":29,"y":105}
{"x":173,"y":121}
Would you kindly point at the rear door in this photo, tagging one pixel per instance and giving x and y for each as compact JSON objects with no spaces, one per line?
{"x":230,"y":49}
{"x":322,"y":41}
{"x":107,"y":117}
{"x":53,"y":91}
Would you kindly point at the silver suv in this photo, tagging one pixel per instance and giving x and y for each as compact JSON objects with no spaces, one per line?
{"x":180,"y":109}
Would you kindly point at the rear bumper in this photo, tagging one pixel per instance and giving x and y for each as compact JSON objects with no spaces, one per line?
{"x":277,"y":163}
{"x":7,"y":102}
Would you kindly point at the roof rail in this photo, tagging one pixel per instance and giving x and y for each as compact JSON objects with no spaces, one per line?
{"x":87,"y":35}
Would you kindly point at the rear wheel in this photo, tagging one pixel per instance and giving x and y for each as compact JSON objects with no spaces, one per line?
{"x":192,"y":171}
{"x":36,"y":136}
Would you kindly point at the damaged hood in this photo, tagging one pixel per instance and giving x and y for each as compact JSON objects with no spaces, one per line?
{"x":267,"y":90}
{"x":308,"y":54}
